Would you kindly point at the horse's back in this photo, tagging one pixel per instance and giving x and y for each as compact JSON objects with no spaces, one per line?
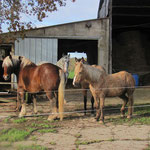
{"x":99,"y":67}
{"x":127,"y":77}
{"x":49,"y":75}
{"x":118,"y":83}
{"x":121,"y":79}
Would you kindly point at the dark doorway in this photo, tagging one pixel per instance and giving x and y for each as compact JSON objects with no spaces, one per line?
{"x":87,"y":46}
{"x":4,"y":51}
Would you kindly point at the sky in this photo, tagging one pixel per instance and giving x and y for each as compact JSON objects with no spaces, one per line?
{"x":78,"y":55}
{"x":72,"y":12}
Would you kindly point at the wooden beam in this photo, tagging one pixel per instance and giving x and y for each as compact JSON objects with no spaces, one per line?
{"x":131,"y":15}
{"x":130,"y":6}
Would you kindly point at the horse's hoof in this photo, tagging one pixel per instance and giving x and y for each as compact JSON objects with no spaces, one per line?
{"x":122,"y":116}
{"x":21,"y":115}
{"x":101,"y":121}
{"x":129,"y":117}
{"x":16,"y":109}
{"x":52,"y":117}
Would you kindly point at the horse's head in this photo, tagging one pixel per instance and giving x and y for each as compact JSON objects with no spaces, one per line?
{"x":9,"y":65}
{"x":66,"y":62}
{"x":63,"y":63}
{"x":80,"y":60}
{"x":78,"y":73}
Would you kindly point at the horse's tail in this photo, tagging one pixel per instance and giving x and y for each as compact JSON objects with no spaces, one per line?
{"x":61,"y":93}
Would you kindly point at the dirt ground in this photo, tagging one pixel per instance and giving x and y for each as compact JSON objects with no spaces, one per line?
{"x":80,"y":132}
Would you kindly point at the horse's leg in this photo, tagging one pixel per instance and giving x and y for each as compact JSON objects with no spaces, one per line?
{"x":102,"y":99}
{"x":130,"y":106}
{"x":18,"y":105}
{"x":33,"y":96}
{"x":18,"y":102}
{"x":23,"y":109}
{"x":97,"y":104}
{"x":92,"y":105}
{"x":53,"y":105}
{"x":125,"y":101}
{"x":85,"y":100}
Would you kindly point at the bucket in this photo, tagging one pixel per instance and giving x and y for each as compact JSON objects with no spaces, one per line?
{"x":136,"y":78}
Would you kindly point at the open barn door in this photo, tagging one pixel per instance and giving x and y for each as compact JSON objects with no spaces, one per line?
{"x":37,"y":49}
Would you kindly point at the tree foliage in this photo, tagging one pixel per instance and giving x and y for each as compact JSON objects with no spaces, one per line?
{"x":11,"y":12}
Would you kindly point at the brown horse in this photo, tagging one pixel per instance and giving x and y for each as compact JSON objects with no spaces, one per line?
{"x":103,"y":85}
{"x":85,"y":85}
{"x":32,"y":78}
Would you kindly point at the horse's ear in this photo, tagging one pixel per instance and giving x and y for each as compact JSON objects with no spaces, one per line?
{"x":76,"y":59}
{"x":82,"y":59}
{"x":20,"y":58}
{"x":10,"y":56}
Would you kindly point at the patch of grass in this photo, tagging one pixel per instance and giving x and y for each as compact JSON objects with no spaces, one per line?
{"x":13,"y":135}
{"x":6,"y":120}
{"x":52,"y":143}
{"x":31,"y":129}
{"x":132,"y":121}
{"x":20,"y":120}
{"x":34,"y":138}
{"x":6,"y":145}
{"x":148,"y":148}
{"x":71,"y":75}
{"x":78,"y":135}
{"x":31,"y":147}
{"x":47,"y":130}
{"x":111,"y":140}
{"x":43,"y":125}
{"x":141,"y":110}
{"x":78,"y":142}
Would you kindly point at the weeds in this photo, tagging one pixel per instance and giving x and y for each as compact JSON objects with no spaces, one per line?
{"x":20,"y":120}
{"x":43,"y":125}
{"x":47,"y":130}
{"x":13,"y":135}
{"x":52,"y":143}
{"x":31,"y":147}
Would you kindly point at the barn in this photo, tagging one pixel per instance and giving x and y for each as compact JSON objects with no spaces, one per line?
{"x":118,"y":39}
{"x":49,"y":43}
{"x":129,"y":36}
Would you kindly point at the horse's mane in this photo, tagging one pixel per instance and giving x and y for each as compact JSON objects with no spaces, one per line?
{"x":25,"y":62}
{"x":42,"y":62}
{"x":60,"y":62}
{"x":14,"y":60}
{"x":93,"y":72}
